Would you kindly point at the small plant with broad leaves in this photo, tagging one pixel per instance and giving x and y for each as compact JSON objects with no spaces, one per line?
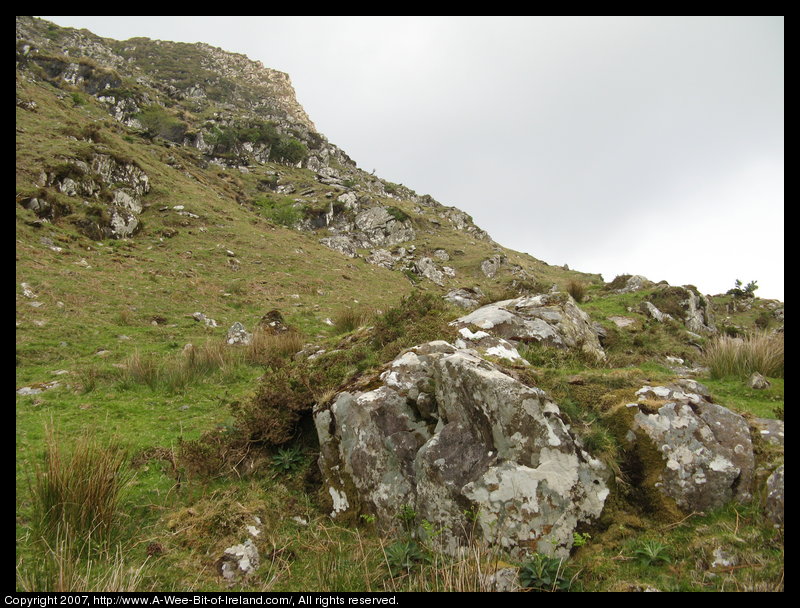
{"x":652,"y":553}
{"x":288,"y":460}
{"x":544,"y":573}
{"x":403,"y":556}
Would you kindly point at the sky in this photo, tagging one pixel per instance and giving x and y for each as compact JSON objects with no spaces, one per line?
{"x":616,"y":145}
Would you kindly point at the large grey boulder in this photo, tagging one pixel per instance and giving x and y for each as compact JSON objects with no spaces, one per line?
{"x":466,"y":447}
{"x":553,"y":319}
{"x":690,"y":451}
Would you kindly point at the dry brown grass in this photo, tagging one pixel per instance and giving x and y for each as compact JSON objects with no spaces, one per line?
{"x":267,"y":346}
{"x":760,"y":352}
{"x":76,"y":494}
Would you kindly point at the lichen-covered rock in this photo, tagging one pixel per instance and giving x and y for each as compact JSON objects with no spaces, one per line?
{"x":491,"y":266}
{"x":238,"y":335}
{"x":427,"y":268}
{"x":635,"y":283}
{"x":342,"y":243}
{"x":769,"y":429}
{"x":758,"y":382}
{"x":465,"y":297}
{"x":466,"y":447}
{"x":238,"y":561}
{"x":487,"y":344}
{"x":684,"y":304}
{"x":687,"y":450}
{"x":202,"y":318}
{"x":381,"y":257}
{"x":774,"y":506}
{"x":652,"y":310}
{"x":553,"y":319}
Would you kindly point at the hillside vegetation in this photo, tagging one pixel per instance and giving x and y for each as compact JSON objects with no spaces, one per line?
{"x":166,"y":192}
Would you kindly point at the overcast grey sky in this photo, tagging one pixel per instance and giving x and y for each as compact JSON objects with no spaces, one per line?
{"x":639,"y":145}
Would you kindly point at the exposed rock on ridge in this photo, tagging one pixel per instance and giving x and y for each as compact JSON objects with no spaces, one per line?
{"x":553,"y":319}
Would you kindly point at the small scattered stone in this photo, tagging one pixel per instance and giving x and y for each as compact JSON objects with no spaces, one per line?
{"x":27,"y":291}
{"x":201,"y":318}
{"x":758,"y":382}
{"x":238,"y":561}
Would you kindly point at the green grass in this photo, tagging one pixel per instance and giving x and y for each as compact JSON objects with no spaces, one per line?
{"x":738,"y":396}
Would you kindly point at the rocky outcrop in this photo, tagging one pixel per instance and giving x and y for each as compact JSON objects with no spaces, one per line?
{"x":685,"y":450}
{"x":427,"y":268}
{"x":684,"y":304}
{"x":369,"y":228}
{"x":114,"y":186}
{"x":465,"y":297}
{"x":635,"y":283}
{"x":491,"y":266}
{"x":553,"y":319}
{"x":463,"y":222}
{"x":463,"y":446}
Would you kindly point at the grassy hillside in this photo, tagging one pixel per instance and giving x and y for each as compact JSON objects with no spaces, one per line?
{"x":198,"y":442}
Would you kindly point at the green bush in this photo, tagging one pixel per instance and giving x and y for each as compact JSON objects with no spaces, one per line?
{"x":398,"y":214}
{"x":157,"y":122}
{"x":289,"y":151}
{"x":281,"y":210}
{"x":743,"y":292}
{"x":270,"y":418}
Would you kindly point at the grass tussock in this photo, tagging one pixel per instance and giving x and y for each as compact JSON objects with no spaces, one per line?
{"x":729,"y":357}
{"x":577,"y":290}
{"x":351,"y":319}
{"x":76,"y":494}
{"x":267,"y":348}
{"x":176,"y":372}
